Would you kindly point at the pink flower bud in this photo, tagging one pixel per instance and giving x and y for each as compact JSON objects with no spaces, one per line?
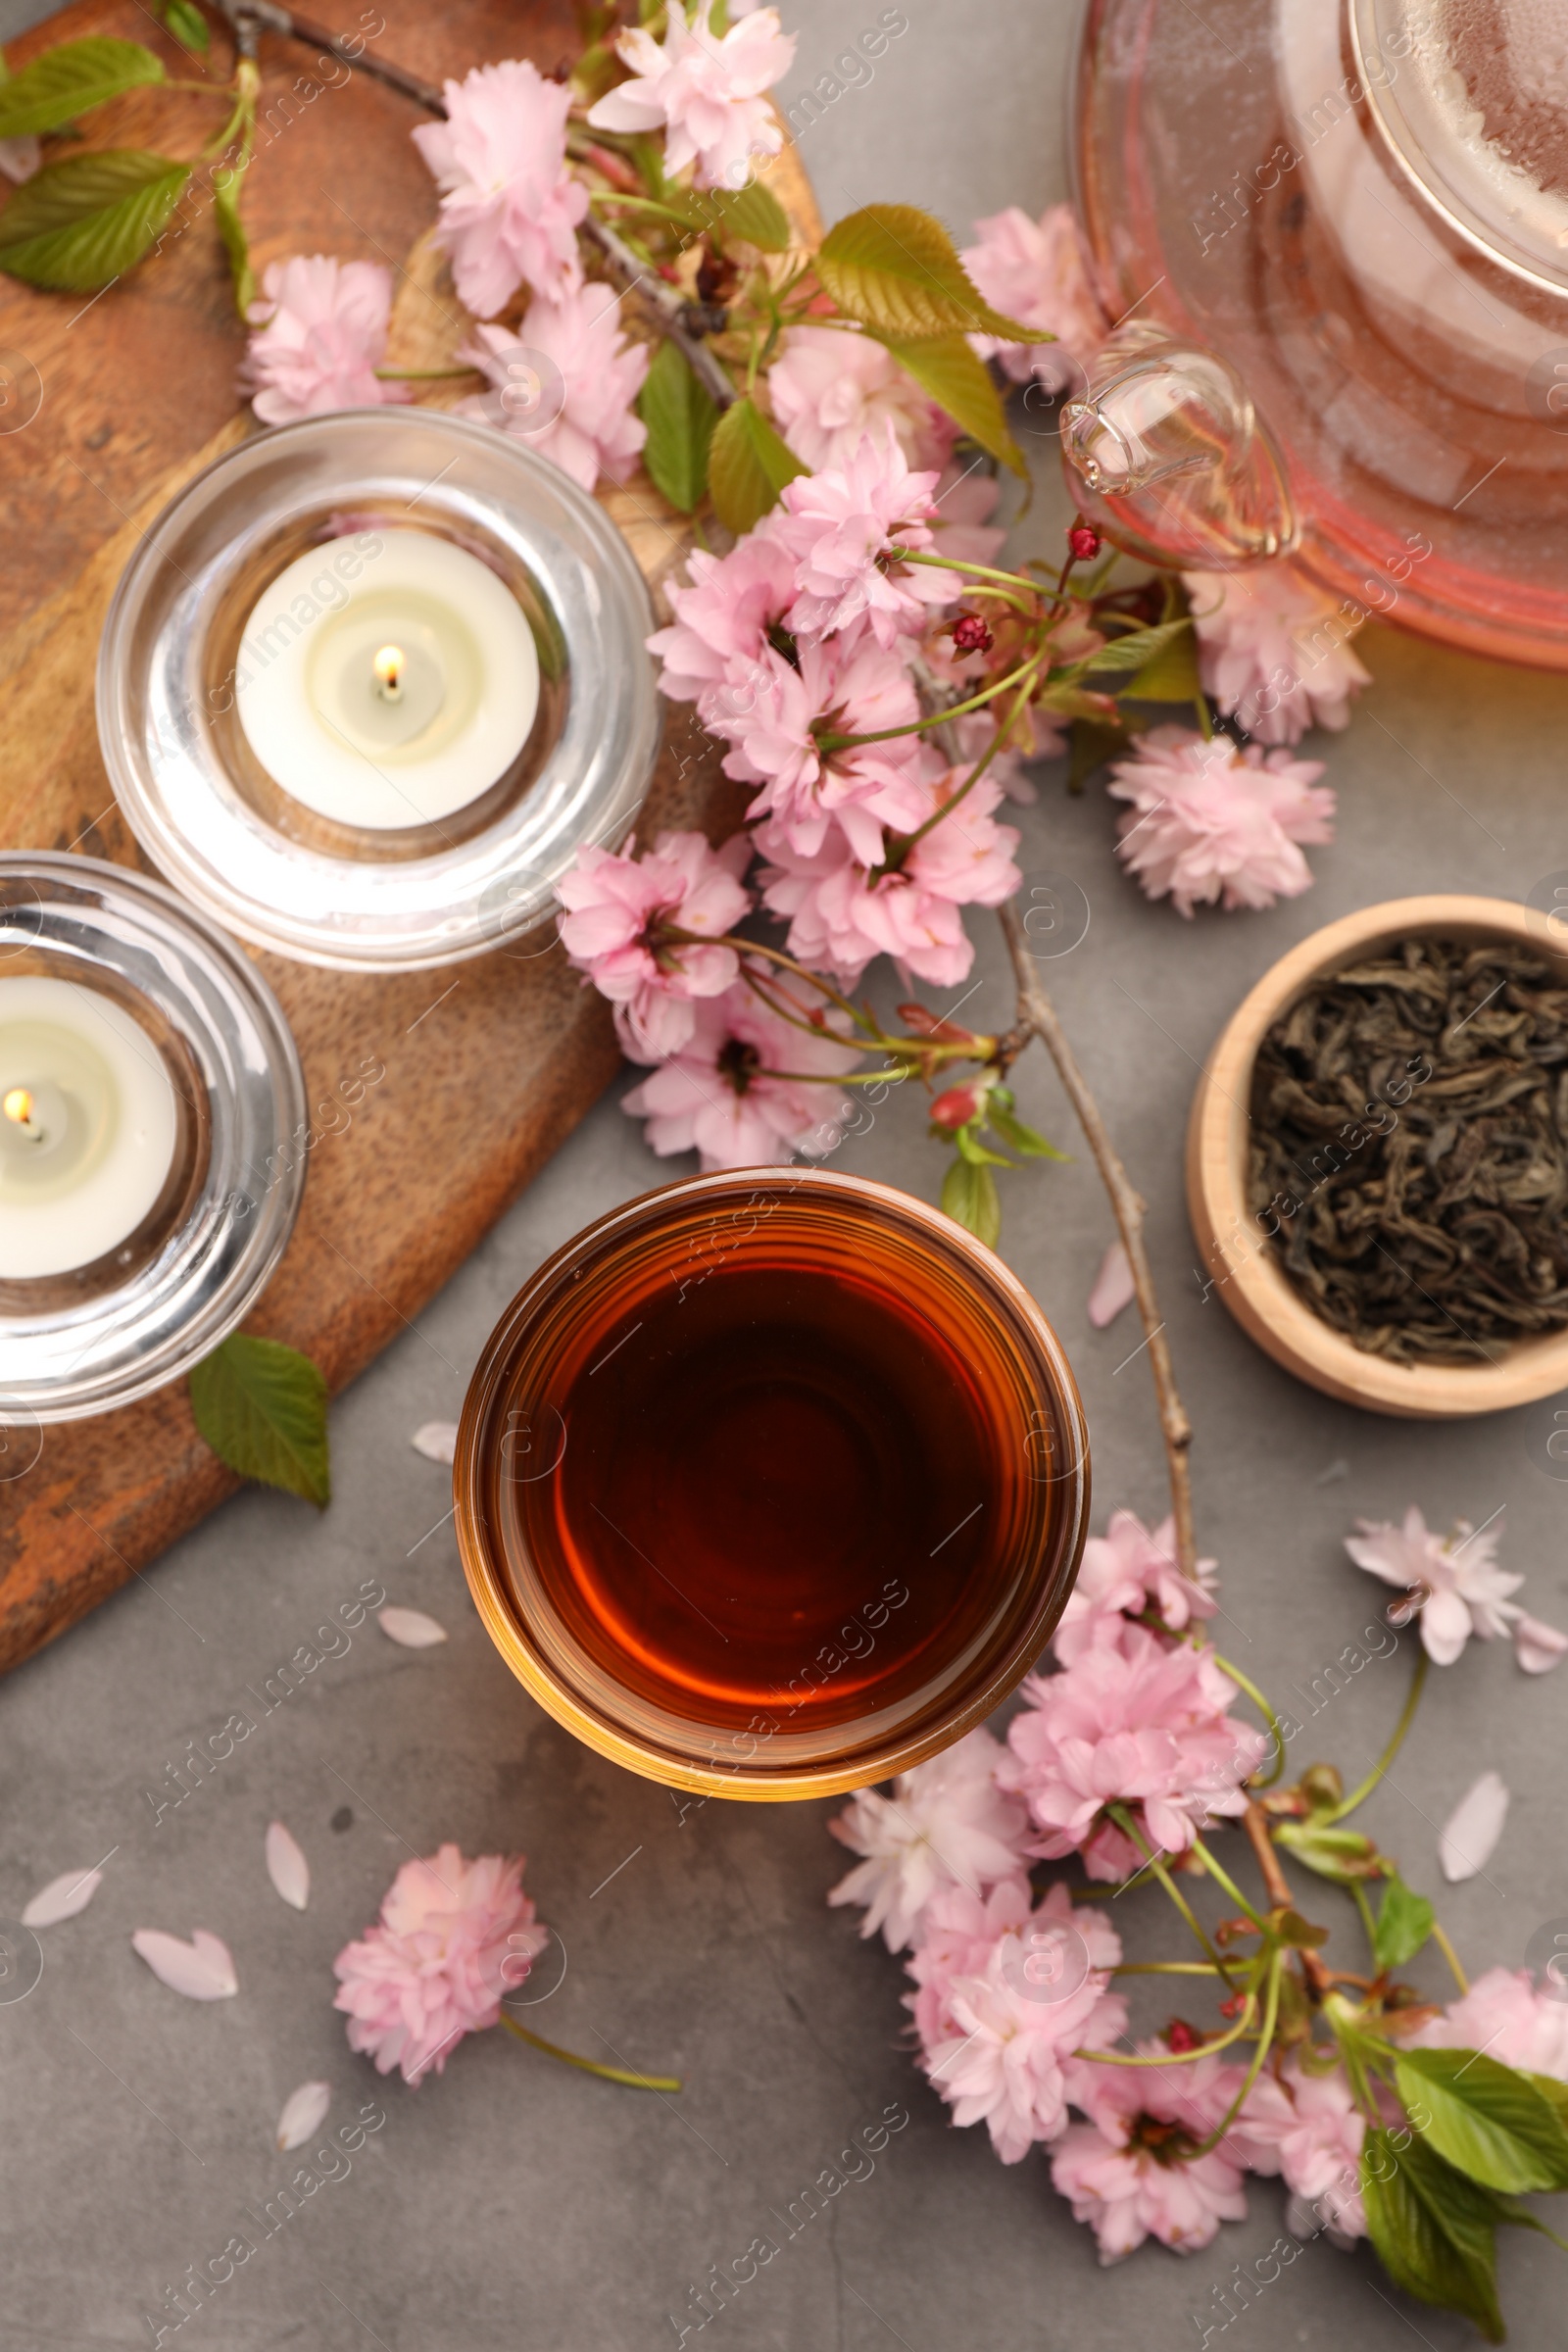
{"x":1084,"y":541}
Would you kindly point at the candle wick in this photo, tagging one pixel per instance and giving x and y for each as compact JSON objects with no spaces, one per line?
{"x":18,"y":1106}
{"x":388,"y":666}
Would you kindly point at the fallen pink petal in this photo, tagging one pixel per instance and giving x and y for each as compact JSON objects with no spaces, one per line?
{"x":62,"y":1898}
{"x":286,"y":1865}
{"x":410,"y":1629}
{"x":304,"y":2113}
{"x":202,"y":1970}
{"x":1114,"y":1289}
{"x":1469,"y":1836}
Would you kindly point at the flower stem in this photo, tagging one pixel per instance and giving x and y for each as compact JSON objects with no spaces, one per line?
{"x":905,"y":844}
{"x":1440,"y":1937}
{"x":1271,"y":2010}
{"x":938,"y":718}
{"x":1163,"y":1968}
{"x":1265,"y":1710}
{"x":420,"y":376}
{"x":1368,"y":1923}
{"x":1204,"y":2050}
{"x":973,"y":572}
{"x":589,"y":2066}
{"x":1359,"y":1795}
{"x":1129,"y":1829}
{"x":1229,"y":1884}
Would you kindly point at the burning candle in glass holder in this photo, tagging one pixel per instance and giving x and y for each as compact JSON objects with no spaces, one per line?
{"x":771,"y":1484}
{"x":88,"y":1125}
{"x":147,"y":1079}
{"x":370,"y":683}
{"x":393,"y":700}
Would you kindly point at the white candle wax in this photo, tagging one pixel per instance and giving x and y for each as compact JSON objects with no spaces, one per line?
{"x":387,"y":742}
{"x":88,"y":1125}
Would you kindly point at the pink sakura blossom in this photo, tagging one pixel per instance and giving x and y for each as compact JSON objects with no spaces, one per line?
{"x":320,"y":334}
{"x":618,"y":908}
{"x":830,"y":388}
{"x":838,"y":525}
{"x":705,"y":91}
{"x":586,"y":426}
{"x":1129,"y":2171}
{"x":1273,"y":651}
{"x":712,"y":652}
{"x":1454,"y":1584}
{"x":1000,"y":2037}
{"x":1134,"y":1722}
{"x":1125,"y":1572}
{"x":1509,"y":2017}
{"x":719,"y":1096}
{"x":946,"y":1824}
{"x":851,"y":683}
{"x":842,"y":911}
{"x":1037,"y":272}
{"x":511,"y":208}
{"x":1210,"y":823}
{"x":1307,"y":2125}
{"x":453,"y":1936}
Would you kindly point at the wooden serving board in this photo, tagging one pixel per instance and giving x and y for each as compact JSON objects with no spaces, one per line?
{"x":139,"y":395}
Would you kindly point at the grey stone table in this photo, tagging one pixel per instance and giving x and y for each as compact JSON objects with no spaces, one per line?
{"x":512,"y":2206}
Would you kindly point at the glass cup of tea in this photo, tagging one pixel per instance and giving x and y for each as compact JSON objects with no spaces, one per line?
{"x":771,"y":1484}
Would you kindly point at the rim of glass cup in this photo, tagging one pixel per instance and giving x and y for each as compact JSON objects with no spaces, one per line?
{"x":104,"y":924}
{"x":1045,"y":1582}
{"x":464,"y":890}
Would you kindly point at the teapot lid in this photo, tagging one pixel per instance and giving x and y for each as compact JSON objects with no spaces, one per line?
{"x":1471,"y":97}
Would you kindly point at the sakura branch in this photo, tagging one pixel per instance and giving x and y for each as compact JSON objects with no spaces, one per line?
{"x":1388,"y":2117}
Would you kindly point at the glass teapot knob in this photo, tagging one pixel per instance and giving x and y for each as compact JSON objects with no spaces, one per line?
{"x":1169,"y":461}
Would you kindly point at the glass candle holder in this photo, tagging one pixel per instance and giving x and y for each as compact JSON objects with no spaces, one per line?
{"x":771,"y":1484}
{"x":148,"y":1089}
{"x":370,"y":683}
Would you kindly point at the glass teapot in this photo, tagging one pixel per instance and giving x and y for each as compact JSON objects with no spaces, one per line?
{"x":1334,"y":234}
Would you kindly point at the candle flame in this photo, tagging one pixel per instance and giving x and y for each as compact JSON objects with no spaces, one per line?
{"x":388,"y":667}
{"x":18,"y":1106}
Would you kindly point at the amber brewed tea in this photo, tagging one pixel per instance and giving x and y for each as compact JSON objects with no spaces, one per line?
{"x":771,"y":1470}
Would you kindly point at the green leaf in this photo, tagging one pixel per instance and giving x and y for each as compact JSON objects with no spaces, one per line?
{"x":971,"y":1198}
{"x":1291,"y":1929}
{"x":80,"y":224}
{"x":1404,"y":1921}
{"x":1022,"y":1139}
{"x":1171,"y":675}
{"x":948,"y":369}
{"x":262,"y":1409}
{"x":1486,"y":2119}
{"x":974,"y":1151}
{"x":894,"y":267}
{"x":680,"y":414}
{"x":230,"y":228}
{"x":1434,"y":2230}
{"x":188,"y":26}
{"x":747,"y":465}
{"x":754,"y":213}
{"x":64,"y":83}
{"x":1136,"y":652}
{"x":1555,"y":2092}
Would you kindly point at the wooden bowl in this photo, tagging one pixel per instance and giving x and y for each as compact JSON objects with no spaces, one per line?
{"x":1246,"y":1272}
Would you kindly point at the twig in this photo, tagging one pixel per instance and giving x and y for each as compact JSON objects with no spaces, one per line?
{"x":664,"y":301}
{"x":667,"y":303}
{"x":1256,"y":1823}
{"x":1037,"y":1017}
